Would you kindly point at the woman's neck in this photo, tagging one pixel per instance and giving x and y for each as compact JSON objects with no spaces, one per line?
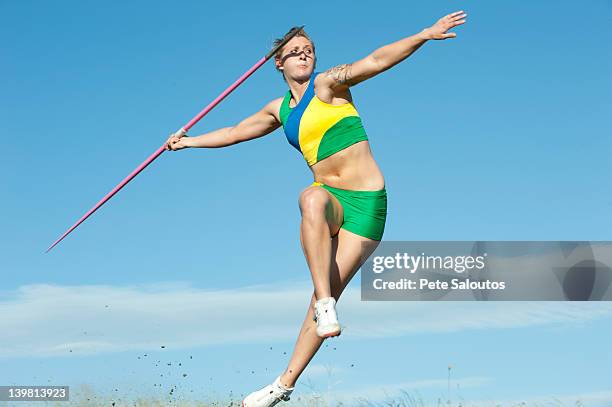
{"x":298,"y":89}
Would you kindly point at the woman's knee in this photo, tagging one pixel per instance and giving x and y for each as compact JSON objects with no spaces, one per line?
{"x":313,"y":202}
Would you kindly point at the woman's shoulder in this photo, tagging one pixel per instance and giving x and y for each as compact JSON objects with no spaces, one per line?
{"x":274,"y":107}
{"x":325,"y":90}
{"x":275,"y":104}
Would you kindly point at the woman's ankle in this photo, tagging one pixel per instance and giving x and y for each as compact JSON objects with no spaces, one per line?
{"x":287,"y":381}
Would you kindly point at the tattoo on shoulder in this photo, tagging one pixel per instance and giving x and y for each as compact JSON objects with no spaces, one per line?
{"x":341,"y":74}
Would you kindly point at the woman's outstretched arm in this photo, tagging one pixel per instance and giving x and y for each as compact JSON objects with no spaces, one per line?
{"x":257,"y":125}
{"x":383,"y":58}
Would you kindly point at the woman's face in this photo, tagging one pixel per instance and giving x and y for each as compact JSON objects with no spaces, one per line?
{"x":297,"y":59}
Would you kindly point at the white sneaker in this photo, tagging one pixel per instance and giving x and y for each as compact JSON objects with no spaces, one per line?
{"x":326,"y":318}
{"x":268,"y":396}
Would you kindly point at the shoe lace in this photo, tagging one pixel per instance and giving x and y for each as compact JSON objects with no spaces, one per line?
{"x":317,"y":314}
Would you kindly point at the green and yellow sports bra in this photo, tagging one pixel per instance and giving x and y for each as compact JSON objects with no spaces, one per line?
{"x":318,"y":129}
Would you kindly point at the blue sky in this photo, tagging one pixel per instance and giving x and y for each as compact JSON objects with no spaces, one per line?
{"x":499,"y":134}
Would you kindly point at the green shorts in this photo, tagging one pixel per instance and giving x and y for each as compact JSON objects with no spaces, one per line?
{"x":365,"y":212}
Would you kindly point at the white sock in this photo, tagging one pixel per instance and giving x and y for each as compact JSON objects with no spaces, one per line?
{"x":282,"y":386}
{"x":325,"y":300}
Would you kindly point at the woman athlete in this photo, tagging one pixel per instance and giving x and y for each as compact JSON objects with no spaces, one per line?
{"x":344,"y":210}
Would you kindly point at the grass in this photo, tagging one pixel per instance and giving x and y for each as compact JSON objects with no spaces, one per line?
{"x":85,"y":398}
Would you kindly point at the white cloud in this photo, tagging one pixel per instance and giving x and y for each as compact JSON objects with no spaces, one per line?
{"x":390,"y":391}
{"x":316,"y":370}
{"x":49,"y":320}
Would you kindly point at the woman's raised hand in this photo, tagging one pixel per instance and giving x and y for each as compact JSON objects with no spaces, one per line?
{"x":176,"y":141}
{"x":438,"y":31}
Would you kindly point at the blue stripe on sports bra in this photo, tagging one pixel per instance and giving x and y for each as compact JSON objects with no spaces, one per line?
{"x":292,"y":128}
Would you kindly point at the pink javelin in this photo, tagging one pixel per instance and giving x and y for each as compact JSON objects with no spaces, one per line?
{"x":191,"y":123}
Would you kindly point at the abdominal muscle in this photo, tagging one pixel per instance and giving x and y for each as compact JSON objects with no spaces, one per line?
{"x":351,"y":168}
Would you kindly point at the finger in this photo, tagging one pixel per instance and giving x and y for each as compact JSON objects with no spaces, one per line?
{"x":455,"y":13}
{"x":450,"y":35}
{"x":456,"y":23}
{"x":459,"y":17}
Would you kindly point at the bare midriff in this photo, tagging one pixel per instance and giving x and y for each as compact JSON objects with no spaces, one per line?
{"x":351,"y":168}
